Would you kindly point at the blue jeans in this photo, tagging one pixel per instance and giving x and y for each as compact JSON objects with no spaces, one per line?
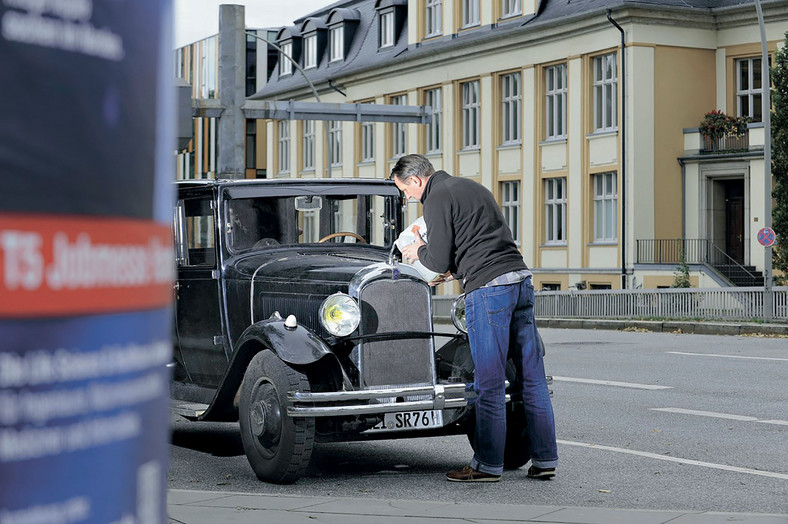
{"x":501,"y":325}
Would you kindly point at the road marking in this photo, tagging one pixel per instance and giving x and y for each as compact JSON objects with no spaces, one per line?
{"x":610,"y":383}
{"x":720,"y":415}
{"x":667,"y":458}
{"x":726,"y":356}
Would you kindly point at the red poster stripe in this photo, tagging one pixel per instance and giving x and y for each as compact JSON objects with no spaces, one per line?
{"x":53,"y":265}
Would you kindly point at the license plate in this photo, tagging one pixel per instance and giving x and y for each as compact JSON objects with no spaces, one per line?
{"x":419,"y":419}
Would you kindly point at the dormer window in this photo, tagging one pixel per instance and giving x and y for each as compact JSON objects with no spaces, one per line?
{"x":336,"y":37}
{"x":342,"y":25}
{"x":289,"y":42}
{"x":285,"y":65}
{"x":387,"y":28}
{"x":310,"y":51}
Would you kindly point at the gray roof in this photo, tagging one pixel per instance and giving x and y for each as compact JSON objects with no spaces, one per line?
{"x":364,"y":52}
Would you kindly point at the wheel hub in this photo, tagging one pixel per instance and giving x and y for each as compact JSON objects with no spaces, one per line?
{"x":265,"y":415}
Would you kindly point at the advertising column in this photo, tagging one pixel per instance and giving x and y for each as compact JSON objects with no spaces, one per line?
{"x":86,"y":141}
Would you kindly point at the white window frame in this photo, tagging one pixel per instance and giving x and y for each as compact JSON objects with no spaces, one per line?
{"x":386,"y":28}
{"x":510,"y":108}
{"x":471,"y":108}
{"x":367,"y":141}
{"x":284,"y":146}
{"x":310,"y":51}
{"x":432,"y":98}
{"x":605,"y":92}
{"x":555,"y":101}
{"x":285,"y":65}
{"x":433,"y":18}
{"x":335,"y":142}
{"x":510,"y":207}
{"x":511,"y":8}
{"x":470,"y":13}
{"x":752,"y":94}
{"x":555,"y":210}
{"x":399,"y":132}
{"x":336,"y":37}
{"x":605,"y":207}
{"x":308,"y":145}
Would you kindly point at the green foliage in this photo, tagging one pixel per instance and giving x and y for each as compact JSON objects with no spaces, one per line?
{"x":779,"y":129}
{"x":716,"y":124}
{"x":681,"y":275}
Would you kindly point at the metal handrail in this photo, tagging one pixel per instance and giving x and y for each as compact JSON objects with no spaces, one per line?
{"x":730,"y":262}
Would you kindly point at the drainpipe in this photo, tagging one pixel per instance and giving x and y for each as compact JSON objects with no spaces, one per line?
{"x":623,"y":153}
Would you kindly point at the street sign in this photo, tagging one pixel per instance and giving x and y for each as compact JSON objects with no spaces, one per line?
{"x":766,"y":237}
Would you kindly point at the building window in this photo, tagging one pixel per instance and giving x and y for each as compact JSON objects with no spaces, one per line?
{"x":555,"y":103}
{"x":605,"y":207}
{"x":555,"y":210}
{"x":310,"y":51}
{"x":470,"y":13}
{"x":510,"y":8}
{"x":309,"y":144}
{"x":432,"y":98}
{"x":335,"y":143}
{"x":433,"y":17}
{"x":470,"y":114}
{"x":551,"y":286}
{"x":387,"y":29}
{"x":368,"y":142}
{"x":605,"y":93}
{"x":510,"y":108}
{"x":749,"y":88}
{"x":208,"y":69}
{"x":285,"y":65}
{"x":251,"y":144}
{"x":399,"y":132}
{"x":510,"y":206}
{"x":284,"y":146}
{"x":337,"y":43}
{"x":251,"y":65}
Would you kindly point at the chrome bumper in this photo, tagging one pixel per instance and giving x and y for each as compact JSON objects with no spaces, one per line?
{"x":375,"y":401}
{"x":443,"y":396}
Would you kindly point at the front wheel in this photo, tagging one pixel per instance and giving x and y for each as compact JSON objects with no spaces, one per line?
{"x":277,"y":446}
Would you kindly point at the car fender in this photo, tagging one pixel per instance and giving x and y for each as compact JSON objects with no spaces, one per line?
{"x":297,"y":346}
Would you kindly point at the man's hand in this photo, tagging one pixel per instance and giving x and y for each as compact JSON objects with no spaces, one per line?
{"x":410,"y":253}
{"x":446,"y":277}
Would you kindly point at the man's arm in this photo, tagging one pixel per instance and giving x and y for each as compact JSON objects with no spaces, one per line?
{"x":439,"y":254}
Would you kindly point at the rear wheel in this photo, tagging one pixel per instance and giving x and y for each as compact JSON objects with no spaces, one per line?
{"x":277,"y":446}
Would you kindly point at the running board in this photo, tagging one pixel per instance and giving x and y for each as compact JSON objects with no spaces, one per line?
{"x":191,"y":410}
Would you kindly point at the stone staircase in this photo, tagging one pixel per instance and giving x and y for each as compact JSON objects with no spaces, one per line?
{"x":741,"y":276}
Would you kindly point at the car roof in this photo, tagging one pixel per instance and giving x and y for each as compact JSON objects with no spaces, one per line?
{"x":278,"y":182}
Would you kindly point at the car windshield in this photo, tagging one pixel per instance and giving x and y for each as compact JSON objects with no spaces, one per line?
{"x":257,"y":223}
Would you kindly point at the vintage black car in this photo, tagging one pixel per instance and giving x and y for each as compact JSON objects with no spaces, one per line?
{"x":296,"y":318}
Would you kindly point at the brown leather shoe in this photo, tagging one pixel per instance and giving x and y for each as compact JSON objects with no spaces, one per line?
{"x":541,"y":473}
{"x":468,"y":474}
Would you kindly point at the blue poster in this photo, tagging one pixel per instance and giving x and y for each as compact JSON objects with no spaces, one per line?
{"x":86,"y":141}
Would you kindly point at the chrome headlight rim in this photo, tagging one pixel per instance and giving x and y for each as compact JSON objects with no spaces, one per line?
{"x":347,"y":307}
{"x":458,"y":314}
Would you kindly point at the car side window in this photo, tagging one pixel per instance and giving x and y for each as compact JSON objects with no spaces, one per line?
{"x":195,"y":233}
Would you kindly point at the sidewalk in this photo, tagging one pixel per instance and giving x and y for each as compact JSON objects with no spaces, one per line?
{"x":206,"y":507}
{"x":668,"y":326}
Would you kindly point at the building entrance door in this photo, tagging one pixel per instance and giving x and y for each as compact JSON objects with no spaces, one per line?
{"x":734,"y":219}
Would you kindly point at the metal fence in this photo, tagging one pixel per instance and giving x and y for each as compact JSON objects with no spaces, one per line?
{"x":742,"y":303}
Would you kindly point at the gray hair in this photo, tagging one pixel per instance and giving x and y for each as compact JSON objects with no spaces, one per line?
{"x":412,"y":165}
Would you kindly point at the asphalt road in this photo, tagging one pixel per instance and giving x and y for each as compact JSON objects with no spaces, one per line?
{"x":644,"y":420}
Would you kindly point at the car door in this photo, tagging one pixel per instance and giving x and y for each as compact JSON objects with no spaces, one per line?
{"x":198,"y":322}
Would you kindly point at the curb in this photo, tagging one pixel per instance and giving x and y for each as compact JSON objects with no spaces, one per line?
{"x":668,"y":326}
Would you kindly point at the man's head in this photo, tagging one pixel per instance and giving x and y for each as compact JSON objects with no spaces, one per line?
{"x":411,"y":174}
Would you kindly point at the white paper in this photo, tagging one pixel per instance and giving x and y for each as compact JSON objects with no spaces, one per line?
{"x":408,"y":236}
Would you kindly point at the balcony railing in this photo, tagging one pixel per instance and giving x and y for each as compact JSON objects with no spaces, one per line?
{"x":725,"y":144}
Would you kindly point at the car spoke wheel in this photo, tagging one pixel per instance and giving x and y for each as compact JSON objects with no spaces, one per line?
{"x":277,"y":446}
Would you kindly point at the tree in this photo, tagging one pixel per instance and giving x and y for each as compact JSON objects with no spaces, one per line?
{"x":682,"y":273}
{"x":779,"y":77}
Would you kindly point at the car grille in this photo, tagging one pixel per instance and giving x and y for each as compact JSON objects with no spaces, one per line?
{"x":395,"y":305}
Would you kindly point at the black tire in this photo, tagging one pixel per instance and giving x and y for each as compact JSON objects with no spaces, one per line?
{"x":277,"y":446}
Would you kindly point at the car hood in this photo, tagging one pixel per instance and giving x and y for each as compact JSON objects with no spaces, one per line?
{"x":307,"y":265}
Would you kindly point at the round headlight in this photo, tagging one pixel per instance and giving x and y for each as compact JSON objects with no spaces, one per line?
{"x":340,"y":315}
{"x":458,"y":314}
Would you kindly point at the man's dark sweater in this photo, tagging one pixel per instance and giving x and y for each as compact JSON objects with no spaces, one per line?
{"x":466,"y":232}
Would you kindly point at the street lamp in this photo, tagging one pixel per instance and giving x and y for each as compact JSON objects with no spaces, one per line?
{"x":768,"y":300}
